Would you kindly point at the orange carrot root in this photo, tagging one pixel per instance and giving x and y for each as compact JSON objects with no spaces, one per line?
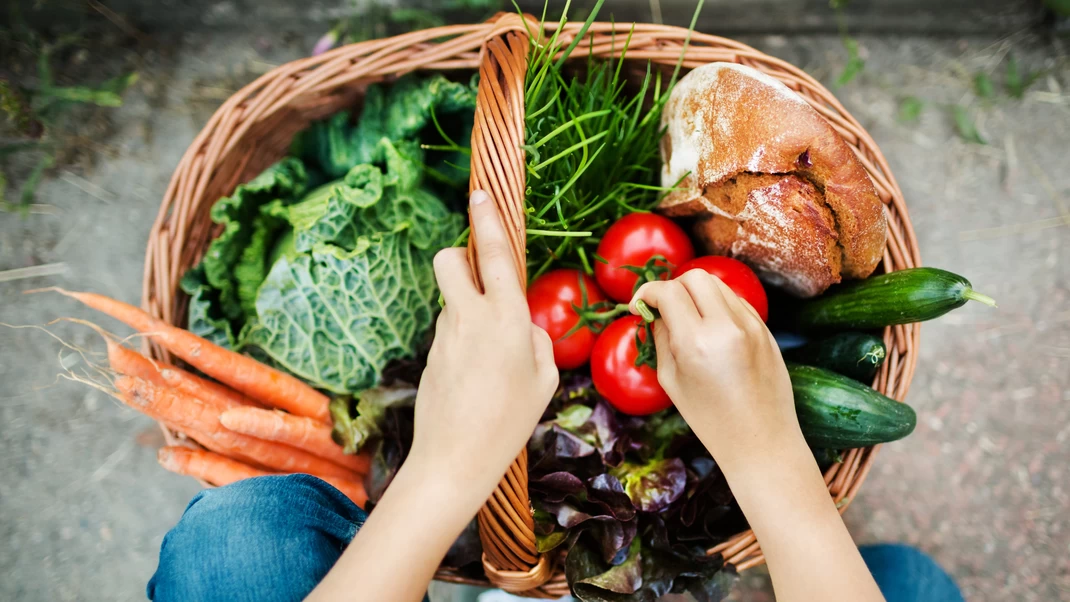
{"x":168,"y":405}
{"x":220,"y":470}
{"x":301,"y":432}
{"x":244,"y":374}
{"x":131,"y":363}
{"x":201,"y":421}
{"x":205,"y":465}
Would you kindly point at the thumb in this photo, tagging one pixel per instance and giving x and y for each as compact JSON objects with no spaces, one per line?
{"x":543,"y":347}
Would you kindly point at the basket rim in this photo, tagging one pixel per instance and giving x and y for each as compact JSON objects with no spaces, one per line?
{"x":312,"y":85}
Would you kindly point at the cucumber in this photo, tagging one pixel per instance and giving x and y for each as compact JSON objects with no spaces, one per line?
{"x":836,"y":412}
{"x":854,"y":354}
{"x":902,"y":297}
{"x":826,"y":457}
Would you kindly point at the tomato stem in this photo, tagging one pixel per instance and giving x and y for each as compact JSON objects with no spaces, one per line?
{"x":645,"y":311}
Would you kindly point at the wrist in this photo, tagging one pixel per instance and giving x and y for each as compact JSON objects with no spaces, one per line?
{"x":421,"y":475}
{"x":764,"y":456}
{"x":784,"y":473}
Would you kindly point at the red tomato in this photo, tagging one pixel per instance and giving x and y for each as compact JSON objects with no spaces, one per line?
{"x":740,"y":278}
{"x":551,"y":298}
{"x":629,"y":388}
{"x":632,"y":241}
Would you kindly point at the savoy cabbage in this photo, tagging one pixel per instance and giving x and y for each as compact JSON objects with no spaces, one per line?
{"x":332,"y":282}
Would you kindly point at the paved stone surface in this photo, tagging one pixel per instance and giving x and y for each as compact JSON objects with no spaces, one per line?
{"x":981,"y":485}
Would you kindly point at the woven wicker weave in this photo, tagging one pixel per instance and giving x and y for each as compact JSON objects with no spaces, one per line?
{"x":253,"y":128}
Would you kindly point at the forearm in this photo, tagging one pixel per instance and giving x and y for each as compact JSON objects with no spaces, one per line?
{"x":810,"y":553}
{"x":396,"y":552}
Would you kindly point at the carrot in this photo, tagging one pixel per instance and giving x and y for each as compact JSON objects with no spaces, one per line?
{"x":201,"y":421}
{"x":298,"y":431}
{"x":354,"y":490}
{"x":205,"y":465}
{"x":242,"y":373}
{"x":131,"y":363}
{"x":220,"y":470}
{"x":168,"y":405}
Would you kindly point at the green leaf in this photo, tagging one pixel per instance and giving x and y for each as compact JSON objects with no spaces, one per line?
{"x":982,"y":86}
{"x":283,"y":181}
{"x":573,"y":416}
{"x":366,"y":202}
{"x":1014,"y":78}
{"x":337,"y":317}
{"x":663,"y":428}
{"x":583,"y":562}
{"x":653,"y":486}
{"x":855,"y":65}
{"x":203,"y":320}
{"x":354,"y":432}
{"x":1015,"y":82}
{"x":545,"y":543}
{"x":29,"y":187}
{"x":648,"y":573}
{"x":964,"y":125}
{"x":910,"y":109}
{"x":624,"y":578}
{"x":401,"y":112}
{"x":433,"y":225}
{"x":252,"y":267}
{"x":109,"y":94}
{"x":326,"y":215}
{"x":328,"y":144}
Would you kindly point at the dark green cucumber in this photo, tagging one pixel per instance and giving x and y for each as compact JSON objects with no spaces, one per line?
{"x":837,"y":412}
{"x":902,"y":297}
{"x":826,"y":457}
{"x":854,"y":354}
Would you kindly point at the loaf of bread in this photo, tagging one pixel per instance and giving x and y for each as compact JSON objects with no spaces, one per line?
{"x":767,"y":180}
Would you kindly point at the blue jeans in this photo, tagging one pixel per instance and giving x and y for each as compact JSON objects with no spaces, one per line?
{"x":267,"y":539}
{"x":271,"y":539}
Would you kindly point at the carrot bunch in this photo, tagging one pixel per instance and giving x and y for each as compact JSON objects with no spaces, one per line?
{"x":254,"y":421}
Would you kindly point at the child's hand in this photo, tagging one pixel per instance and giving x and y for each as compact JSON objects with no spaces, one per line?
{"x":721,"y":367}
{"x":490,"y":373}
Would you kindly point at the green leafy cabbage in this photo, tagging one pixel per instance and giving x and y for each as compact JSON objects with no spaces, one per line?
{"x":402,"y":112}
{"x":332,"y":283}
{"x":244,"y":239}
{"x":336,"y":317}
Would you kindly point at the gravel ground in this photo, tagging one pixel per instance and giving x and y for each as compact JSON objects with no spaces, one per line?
{"x":981,"y":485}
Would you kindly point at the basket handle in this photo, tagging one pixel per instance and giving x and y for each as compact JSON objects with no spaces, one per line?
{"x":506,"y":526}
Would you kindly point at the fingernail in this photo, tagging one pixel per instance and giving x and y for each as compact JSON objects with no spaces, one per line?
{"x":478,"y":197}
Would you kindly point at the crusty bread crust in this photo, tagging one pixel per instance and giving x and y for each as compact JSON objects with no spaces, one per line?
{"x":780,"y":225}
{"x":724,"y":120}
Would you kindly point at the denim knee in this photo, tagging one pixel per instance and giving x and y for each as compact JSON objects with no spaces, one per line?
{"x":906,"y":574}
{"x":266,"y":539}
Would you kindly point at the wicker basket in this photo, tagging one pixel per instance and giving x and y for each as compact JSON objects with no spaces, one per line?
{"x":253,"y":129}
